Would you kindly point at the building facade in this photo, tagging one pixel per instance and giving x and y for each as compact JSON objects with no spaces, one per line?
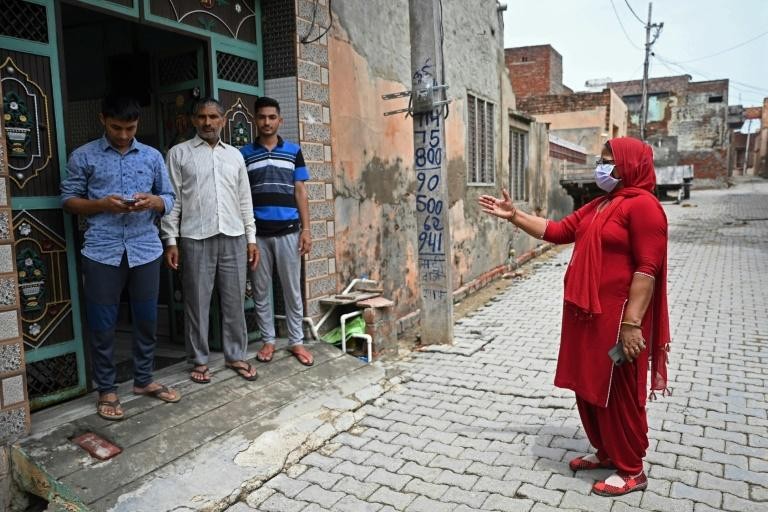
{"x":687,"y":123}
{"x":329,"y":69}
{"x":588,"y":119}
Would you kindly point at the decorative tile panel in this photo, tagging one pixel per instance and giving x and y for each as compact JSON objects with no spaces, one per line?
{"x":43,"y":280}
{"x":10,"y":357}
{"x":13,"y":424}
{"x":5,"y":231}
{"x":6,"y":258}
{"x":239,"y":128}
{"x":7,"y":292}
{"x":9,"y":325}
{"x":26,"y":121}
{"x":13,"y":390}
{"x":232,"y":18}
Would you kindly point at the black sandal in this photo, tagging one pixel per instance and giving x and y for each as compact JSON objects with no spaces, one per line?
{"x":243,"y":371}
{"x":114,"y":404}
{"x":204,"y":371}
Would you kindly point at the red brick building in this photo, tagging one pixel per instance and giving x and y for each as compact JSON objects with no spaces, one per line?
{"x":535,"y":70}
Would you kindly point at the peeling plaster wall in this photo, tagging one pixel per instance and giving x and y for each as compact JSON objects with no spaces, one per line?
{"x":376,"y":232}
{"x":687,"y":123}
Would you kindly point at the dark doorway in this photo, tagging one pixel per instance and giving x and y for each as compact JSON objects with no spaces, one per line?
{"x":164,"y":71}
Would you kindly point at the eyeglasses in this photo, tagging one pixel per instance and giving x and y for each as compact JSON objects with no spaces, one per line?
{"x":603,"y":161}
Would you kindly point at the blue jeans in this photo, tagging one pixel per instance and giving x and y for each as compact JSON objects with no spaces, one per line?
{"x":103,"y":286}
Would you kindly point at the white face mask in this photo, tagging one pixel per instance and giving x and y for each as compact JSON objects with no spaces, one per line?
{"x":603,"y":177}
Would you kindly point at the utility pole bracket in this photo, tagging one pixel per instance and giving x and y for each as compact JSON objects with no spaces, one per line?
{"x":422,"y":100}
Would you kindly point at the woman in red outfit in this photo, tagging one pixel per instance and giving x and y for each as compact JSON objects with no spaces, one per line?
{"x":615,"y":292}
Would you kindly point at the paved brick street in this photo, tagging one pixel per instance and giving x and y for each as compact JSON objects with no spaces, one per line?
{"x":480,"y":426}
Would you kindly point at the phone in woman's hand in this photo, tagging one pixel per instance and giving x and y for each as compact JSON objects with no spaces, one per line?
{"x":617,"y":354}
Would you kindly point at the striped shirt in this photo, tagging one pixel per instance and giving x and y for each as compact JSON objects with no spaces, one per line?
{"x":272,"y":175}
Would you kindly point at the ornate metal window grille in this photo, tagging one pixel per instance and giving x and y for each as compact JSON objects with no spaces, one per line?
{"x":51,"y":375}
{"x":177,"y":68}
{"x":234,"y":68}
{"x":23,"y":20}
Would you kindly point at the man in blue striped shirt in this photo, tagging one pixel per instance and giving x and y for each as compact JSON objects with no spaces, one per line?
{"x":122,"y":187}
{"x":277,"y":172}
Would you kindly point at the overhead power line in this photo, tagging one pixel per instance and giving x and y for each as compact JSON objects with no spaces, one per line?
{"x":737,"y":85}
{"x":758,"y":97}
{"x":727,"y":49}
{"x":633,"y":12}
{"x":618,"y":18}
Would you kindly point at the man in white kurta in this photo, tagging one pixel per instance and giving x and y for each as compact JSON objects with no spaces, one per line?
{"x":210,"y":233}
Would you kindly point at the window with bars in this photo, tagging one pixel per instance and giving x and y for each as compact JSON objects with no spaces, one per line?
{"x":23,"y":20}
{"x":518,"y":161}
{"x":235,"y":68}
{"x":480,"y":142}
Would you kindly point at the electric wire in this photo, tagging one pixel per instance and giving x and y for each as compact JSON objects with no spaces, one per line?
{"x":691,"y":70}
{"x":727,"y":49}
{"x":618,"y":18}
{"x":633,"y":12}
{"x":676,"y":67}
{"x":305,"y":39}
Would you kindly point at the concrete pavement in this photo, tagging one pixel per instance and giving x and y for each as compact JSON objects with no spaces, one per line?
{"x":479,"y":426}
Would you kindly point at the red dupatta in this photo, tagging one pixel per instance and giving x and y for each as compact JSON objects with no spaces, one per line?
{"x":634,"y":159}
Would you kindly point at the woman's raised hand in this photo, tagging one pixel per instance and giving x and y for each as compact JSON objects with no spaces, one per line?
{"x":502,"y":208}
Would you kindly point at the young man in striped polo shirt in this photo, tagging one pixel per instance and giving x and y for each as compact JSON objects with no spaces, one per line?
{"x":277,"y":173}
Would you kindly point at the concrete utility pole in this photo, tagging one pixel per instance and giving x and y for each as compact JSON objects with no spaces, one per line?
{"x":648,"y":44}
{"x":434,"y":234}
{"x":746,"y":150}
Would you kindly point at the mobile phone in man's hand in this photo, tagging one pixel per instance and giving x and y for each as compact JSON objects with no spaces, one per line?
{"x":129,"y":201}
{"x":617,"y":354}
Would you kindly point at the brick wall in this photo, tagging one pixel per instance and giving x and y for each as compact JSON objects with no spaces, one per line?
{"x":676,"y":84}
{"x":535,"y":70}
{"x":14,"y":405}
{"x":554,"y":103}
{"x":707,"y":165}
{"x":314,"y":119}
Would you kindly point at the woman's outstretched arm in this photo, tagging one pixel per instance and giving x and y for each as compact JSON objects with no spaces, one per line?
{"x":504,"y":209}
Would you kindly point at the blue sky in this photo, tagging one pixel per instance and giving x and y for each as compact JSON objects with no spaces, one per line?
{"x":588,"y":35}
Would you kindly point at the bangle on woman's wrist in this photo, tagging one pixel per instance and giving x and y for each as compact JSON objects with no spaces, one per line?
{"x":631,"y":324}
{"x":514,"y":213}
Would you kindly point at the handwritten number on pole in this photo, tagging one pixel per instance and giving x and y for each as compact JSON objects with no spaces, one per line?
{"x":431,"y":156}
{"x":431,"y":241}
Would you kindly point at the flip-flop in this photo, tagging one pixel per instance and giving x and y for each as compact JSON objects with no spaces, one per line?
{"x":204,"y":370}
{"x":267,"y":358}
{"x":243,"y":371}
{"x":158,"y":392}
{"x":303,"y":356}
{"x":114,"y":404}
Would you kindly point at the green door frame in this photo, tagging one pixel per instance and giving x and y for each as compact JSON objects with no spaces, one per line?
{"x":140,"y":11}
{"x":75,"y":345}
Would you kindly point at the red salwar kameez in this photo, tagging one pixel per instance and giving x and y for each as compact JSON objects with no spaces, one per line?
{"x":615,"y":237}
